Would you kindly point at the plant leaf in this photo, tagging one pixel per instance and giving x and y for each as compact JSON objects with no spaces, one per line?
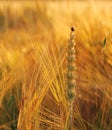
{"x":104,"y":42}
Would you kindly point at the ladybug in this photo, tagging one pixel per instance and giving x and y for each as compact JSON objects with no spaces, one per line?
{"x":72,"y":29}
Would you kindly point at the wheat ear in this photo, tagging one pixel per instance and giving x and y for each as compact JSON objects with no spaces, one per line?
{"x":71,"y":77}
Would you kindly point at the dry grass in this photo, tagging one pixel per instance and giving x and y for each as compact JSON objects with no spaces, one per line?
{"x":33,"y":59}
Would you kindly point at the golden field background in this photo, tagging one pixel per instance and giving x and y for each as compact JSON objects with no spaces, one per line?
{"x":33,"y":63}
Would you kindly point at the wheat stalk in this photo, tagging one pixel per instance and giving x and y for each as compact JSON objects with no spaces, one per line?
{"x":71,"y":78}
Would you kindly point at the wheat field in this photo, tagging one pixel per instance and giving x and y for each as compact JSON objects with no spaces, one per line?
{"x":34,"y":41}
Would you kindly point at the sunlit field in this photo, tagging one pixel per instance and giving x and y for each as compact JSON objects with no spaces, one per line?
{"x":56,"y":65}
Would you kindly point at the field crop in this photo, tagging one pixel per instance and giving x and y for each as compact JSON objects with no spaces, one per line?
{"x":56,"y":65}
